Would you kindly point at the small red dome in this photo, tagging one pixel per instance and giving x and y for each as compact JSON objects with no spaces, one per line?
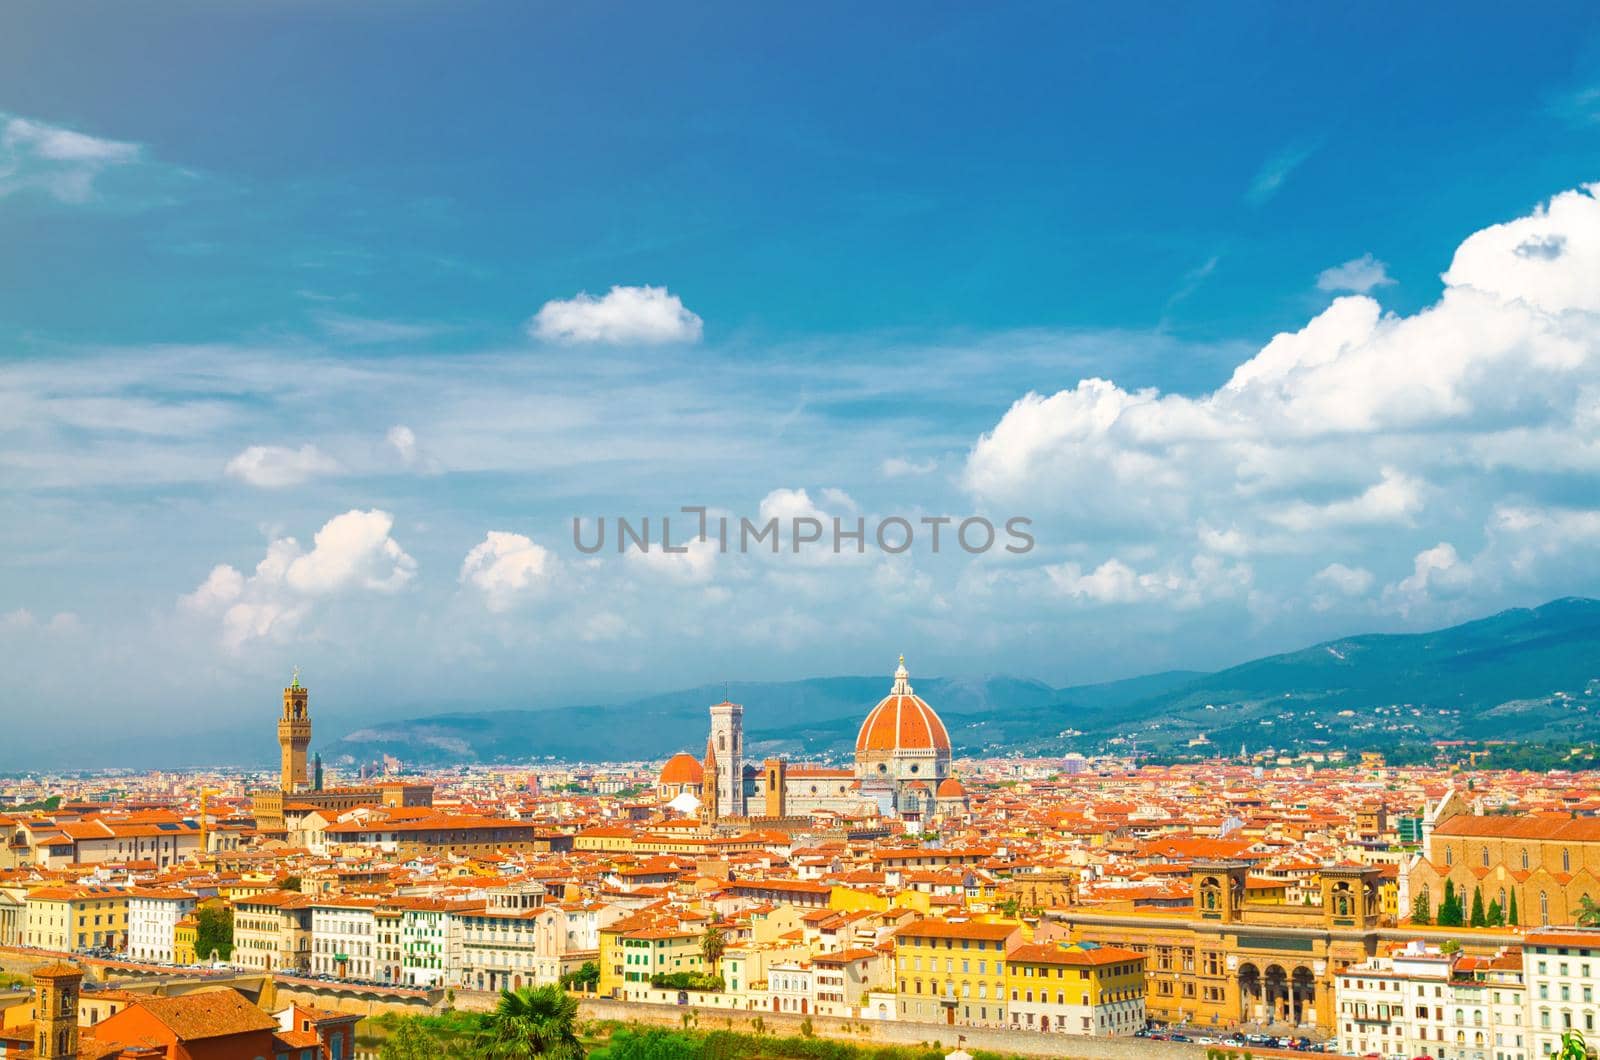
{"x":681,"y":768}
{"x":950,"y":788}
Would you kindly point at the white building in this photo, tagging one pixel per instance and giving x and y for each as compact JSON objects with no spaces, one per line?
{"x":430,"y":940}
{"x":153,"y":914}
{"x":499,"y":940}
{"x":344,"y":937}
{"x":1562,"y":966}
{"x":1421,"y":1002}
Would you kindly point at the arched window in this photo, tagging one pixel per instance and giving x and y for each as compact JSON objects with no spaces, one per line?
{"x":722,"y":741}
{"x":1449,"y":856}
{"x":1544,"y":909}
{"x":1486,"y":856}
{"x":1524,"y":857}
{"x":1566,"y":860}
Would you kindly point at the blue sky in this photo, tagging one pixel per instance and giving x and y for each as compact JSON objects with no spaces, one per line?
{"x":263,"y":266}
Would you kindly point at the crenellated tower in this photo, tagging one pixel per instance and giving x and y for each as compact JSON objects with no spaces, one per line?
{"x":294,"y":736}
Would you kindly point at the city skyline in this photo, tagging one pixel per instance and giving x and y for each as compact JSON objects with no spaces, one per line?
{"x":1269,"y":352}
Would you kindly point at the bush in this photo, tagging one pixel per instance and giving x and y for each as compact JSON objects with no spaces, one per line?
{"x":688,"y":981}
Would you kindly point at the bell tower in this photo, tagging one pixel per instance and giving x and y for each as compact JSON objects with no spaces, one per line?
{"x":727,"y":733}
{"x":294,"y":736}
{"x":55,"y":1013}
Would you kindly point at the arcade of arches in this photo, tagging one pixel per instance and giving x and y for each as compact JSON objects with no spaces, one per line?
{"x":1237,"y":957}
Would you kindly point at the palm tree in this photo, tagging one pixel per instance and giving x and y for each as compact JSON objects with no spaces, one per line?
{"x":1573,"y":1047}
{"x":713,"y":944}
{"x":534,"y":1022}
{"x":1588,"y":912}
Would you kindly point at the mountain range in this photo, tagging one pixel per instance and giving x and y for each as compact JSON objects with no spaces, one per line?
{"x":1530,"y":674}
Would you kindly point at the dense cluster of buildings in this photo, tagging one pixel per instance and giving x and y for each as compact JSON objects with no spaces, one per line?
{"x":1089,"y":897}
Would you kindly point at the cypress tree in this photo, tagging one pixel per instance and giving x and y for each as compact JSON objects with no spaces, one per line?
{"x":1511,"y":909}
{"x":1497,"y":916}
{"x":1420,"y":913}
{"x":1478,"y":919}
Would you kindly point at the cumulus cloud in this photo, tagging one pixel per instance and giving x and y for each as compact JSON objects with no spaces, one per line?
{"x":1207,"y":578}
{"x":56,"y":161}
{"x":277,"y":466}
{"x":1349,"y":581}
{"x":506,"y":567}
{"x":353,"y":552}
{"x":1395,"y":498}
{"x":1499,"y":377}
{"x":625,"y":316}
{"x":1434,"y":572}
{"x":1358,"y":274}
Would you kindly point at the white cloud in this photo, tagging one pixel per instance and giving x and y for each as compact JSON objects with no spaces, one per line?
{"x":1393,"y":499}
{"x":59,"y":162}
{"x":505,"y":567}
{"x":1437,"y":571}
{"x":695,"y":565}
{"x":625,"y":316}
{"x":1358,"y":274}
{"x":352,"y":552}
{"x":900,"y":467}
{"x":1350,"y":581}
{"x":1115,"y":582}
{"x":404,"y":442}
{"x":277,"y":466}
{"x":1501,"y":375}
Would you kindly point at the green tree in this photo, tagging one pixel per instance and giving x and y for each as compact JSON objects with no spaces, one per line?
{"x":533,"y":1022}
{"x":713,"y":944}
{"x":410,"y":1041}
{"x":1496,"y":915}
{"x":1449,"y":946}
{"x":1573,"y":1047}
{"x":1420,"y":913}
{"x":1478,"y":918}
{"x":214,"y":934}
{"x":1011,"y":907}
{"x":290,"y":883}
{"x":1588,"y":913}
{"x":1450,"y":914}
{"x":1511,"y":910}
{"x":585,"y":979}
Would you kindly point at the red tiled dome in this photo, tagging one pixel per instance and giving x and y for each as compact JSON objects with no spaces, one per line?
{"x":681,"y":768}
{"x":950,"y":788}
{"x":902,"y":721}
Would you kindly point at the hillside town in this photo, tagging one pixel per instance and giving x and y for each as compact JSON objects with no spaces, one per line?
{"x":1338,"y":905}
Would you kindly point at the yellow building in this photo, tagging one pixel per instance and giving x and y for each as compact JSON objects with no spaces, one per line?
{"x":954,"y":971}
{"x":1231,"y":959}
{"x":653,"y":951}
{"x":1074,"y":989}
{"x":272,"y":932}
{"x":185,"y":933}
{"x":75,"y":918}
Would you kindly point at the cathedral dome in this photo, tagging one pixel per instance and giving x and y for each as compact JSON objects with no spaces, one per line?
{"x":950,"y":788}
{"x":681,"y":768}
{"x":902,"y":721}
